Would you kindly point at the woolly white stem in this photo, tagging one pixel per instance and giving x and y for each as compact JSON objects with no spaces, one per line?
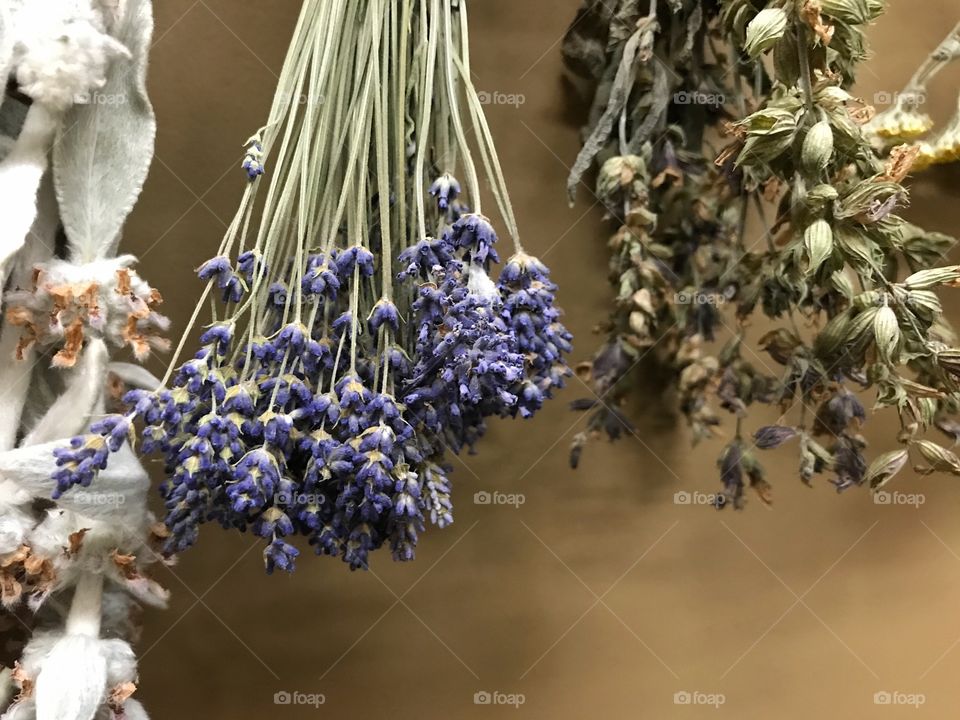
{"x":15,"y":378}
{"x":85,"y":610}
{"x":7,"y":687}
{"x":20,"y":176}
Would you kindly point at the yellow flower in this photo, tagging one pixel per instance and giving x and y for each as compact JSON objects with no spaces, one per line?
{"x":944,"y":148}
{"x":926,"y":156}
{"x":903,"y":121}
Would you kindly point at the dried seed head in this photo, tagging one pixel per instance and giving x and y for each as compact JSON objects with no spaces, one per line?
{"x":817,"y":147}
{"x":886,"y":332}
{"x":882,"y":470}
{"x":939,"y":458}
{"x":818,"y":240}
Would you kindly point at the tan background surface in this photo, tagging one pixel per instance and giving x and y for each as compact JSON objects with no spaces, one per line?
{"x":599,"y":597}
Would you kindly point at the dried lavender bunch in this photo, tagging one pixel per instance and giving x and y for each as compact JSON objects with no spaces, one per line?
{"x":831,"y":261}
{"x":357,"y":333}
{"x":72,"y":572}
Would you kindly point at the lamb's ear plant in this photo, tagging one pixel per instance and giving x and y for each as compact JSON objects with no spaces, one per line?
{"x":357,"y":334}
{"x":77,"y":140}
{"x":848,"y":285}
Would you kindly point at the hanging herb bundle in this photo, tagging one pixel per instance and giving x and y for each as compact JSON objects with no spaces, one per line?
{"x":75,"y":572}
{"x":359,"y":331}
{"x":831,"y":257}
{"x":661,"y":84}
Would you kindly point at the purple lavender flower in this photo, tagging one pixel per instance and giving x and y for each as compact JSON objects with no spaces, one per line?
{"x":445,"y":189}
{"x":253,"y":161}
{"x":384,"y":313}
{"x":322,"y":422}
{"x":220,"y":270}
{"x":321,"y":278}
{"x":280,"y":555}
{"x":355,"y":256}
{"x":475,"y":234}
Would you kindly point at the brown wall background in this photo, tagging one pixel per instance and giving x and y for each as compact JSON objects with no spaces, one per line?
{"x":599,"y":597}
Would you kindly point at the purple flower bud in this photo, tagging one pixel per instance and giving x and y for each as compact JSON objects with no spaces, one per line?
{"x":384,"y":312}
{"x":773,"y":436}
{"x":445,"y":189}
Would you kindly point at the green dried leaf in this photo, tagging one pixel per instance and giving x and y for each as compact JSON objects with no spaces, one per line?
{"x":857,"y":12}
{"x":931,"y":278}
{"x":764,"y":30}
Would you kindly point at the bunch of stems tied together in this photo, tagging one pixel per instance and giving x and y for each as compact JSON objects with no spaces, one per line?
{"x":708,"y":116}
{"x":358,"y":328}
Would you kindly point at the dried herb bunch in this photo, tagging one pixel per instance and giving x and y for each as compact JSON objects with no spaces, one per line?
{"x":848,"y":285}
{"x":357,"y":333}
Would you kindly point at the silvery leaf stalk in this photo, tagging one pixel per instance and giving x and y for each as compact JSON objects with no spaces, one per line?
{"x":359,"y":331}
{"x":73,"y":571}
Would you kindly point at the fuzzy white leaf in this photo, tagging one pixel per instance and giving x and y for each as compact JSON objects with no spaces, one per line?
{"x":20,"y":176}
{"x":15,"y":523}
{"x":134,"y":375}
{"x":26,"y":709}
{"x":479,"y":283}
{"x":72,"y":681}
{"x":113,"y":12}
{"x":71,"y":413}
{"x":15,"y":381}
{"x":8,"y":689}
{"x":121,"y":661}
{"x":102,"y":159}
{"x":15,"y":376}
{"x":31,"y":468}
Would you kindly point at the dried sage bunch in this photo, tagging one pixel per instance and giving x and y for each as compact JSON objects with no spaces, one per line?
{"x":847,"y":283}
{"x":76,"y":141}
{"x":359,"y":331}
{"x":662,"y":85}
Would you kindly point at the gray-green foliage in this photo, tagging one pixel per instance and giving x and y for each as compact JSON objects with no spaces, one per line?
{"x":827,"y":269}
